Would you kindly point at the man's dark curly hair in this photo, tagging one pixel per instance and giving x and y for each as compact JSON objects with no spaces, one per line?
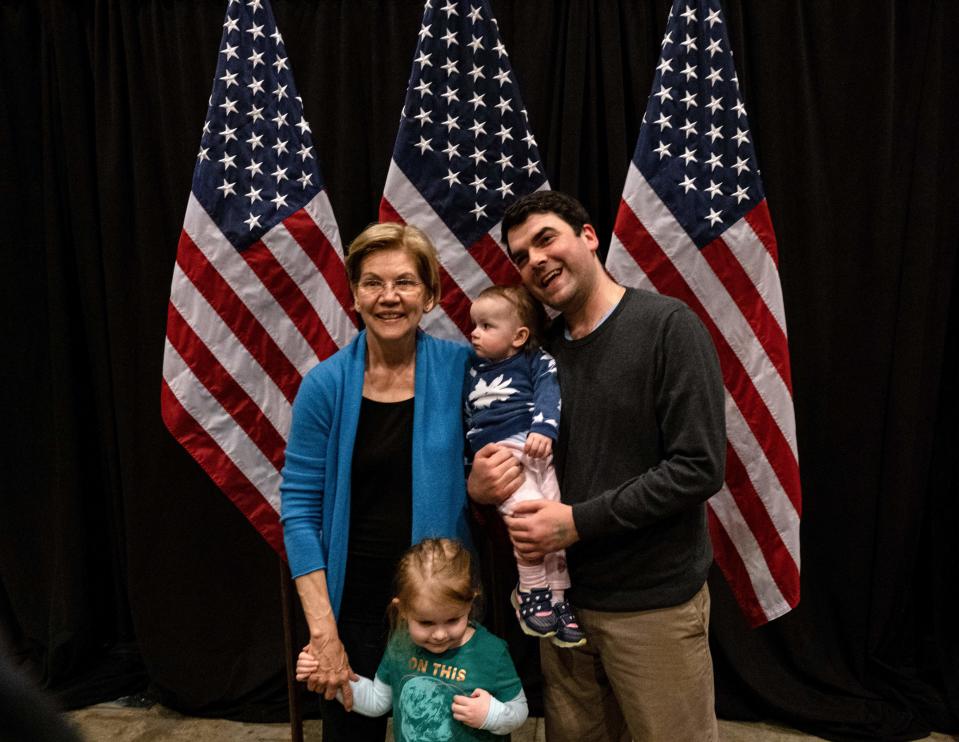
{"x":565,"y":207}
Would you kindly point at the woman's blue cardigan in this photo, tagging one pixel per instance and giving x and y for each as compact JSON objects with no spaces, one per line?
{"x":315,"y":494}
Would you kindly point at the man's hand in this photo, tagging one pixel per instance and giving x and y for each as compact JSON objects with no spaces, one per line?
{"x":496,"y":475}
{"x":540,"y":527}
{"x":471,"y":710}
{"x":538,"y":446}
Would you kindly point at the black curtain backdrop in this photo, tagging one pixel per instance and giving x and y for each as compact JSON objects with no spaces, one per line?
{"x":122,"y":568}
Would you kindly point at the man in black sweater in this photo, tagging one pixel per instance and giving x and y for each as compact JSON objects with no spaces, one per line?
{"x":641,"y":448}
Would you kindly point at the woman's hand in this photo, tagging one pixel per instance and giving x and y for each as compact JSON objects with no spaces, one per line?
{"x":333,"y":671}
{"x":471,"y":710}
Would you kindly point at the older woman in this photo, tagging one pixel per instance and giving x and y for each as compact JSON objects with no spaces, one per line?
{"x":374,"y":463}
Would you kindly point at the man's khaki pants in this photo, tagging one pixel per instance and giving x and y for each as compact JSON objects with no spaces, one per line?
{"x":646,"y":676}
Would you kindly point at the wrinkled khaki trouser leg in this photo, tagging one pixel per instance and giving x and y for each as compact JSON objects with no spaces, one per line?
{"x":644,"y":675}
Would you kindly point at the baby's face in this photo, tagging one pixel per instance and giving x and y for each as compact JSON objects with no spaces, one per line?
{"x":496,"y":334}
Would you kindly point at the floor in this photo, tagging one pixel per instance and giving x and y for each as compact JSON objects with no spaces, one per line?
{"x":119,"y":723}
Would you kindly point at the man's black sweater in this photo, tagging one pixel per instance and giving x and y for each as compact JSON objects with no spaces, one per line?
{"x":642,"y":446}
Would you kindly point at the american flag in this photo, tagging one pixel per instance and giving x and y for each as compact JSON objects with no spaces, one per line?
{"x":463,"y":153}
{"x":259,"y":292}
{"x":693,"y":223}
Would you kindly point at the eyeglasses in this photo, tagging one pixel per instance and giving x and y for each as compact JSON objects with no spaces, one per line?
{"x":376,"y":286}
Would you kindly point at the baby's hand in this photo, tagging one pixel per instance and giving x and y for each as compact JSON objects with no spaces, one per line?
{"x":538,"y":446}
{"x":306,"y":664}
{"x":471,"y":710}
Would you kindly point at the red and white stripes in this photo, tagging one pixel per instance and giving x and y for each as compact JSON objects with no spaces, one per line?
{"x":465,"y":270}
{"x":242,"y":330}
{"x":733,"y":285}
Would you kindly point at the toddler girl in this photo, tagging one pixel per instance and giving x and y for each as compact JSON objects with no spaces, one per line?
{"x":512,"y":400}
{"x":444,"y":676}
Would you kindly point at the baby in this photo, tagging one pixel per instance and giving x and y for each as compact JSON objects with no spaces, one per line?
{"x":512,"y":399}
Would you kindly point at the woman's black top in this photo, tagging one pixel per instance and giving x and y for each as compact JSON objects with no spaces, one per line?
{"x":381,"y":507}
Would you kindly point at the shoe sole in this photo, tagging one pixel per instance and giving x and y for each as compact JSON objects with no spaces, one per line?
{"x":522,"y":624}
{"x":568,"y":645}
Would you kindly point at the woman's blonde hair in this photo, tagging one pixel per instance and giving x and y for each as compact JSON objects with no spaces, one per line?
{"x":438,"y":568}
{"x":391,"y":236}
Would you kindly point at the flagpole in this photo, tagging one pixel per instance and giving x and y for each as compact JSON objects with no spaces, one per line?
{"x":292,"y":687}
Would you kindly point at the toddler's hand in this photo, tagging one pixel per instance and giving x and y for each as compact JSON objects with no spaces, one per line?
{"x":471,"y":710}
{"x":306,"y":664}
{"x":538,"y":446}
